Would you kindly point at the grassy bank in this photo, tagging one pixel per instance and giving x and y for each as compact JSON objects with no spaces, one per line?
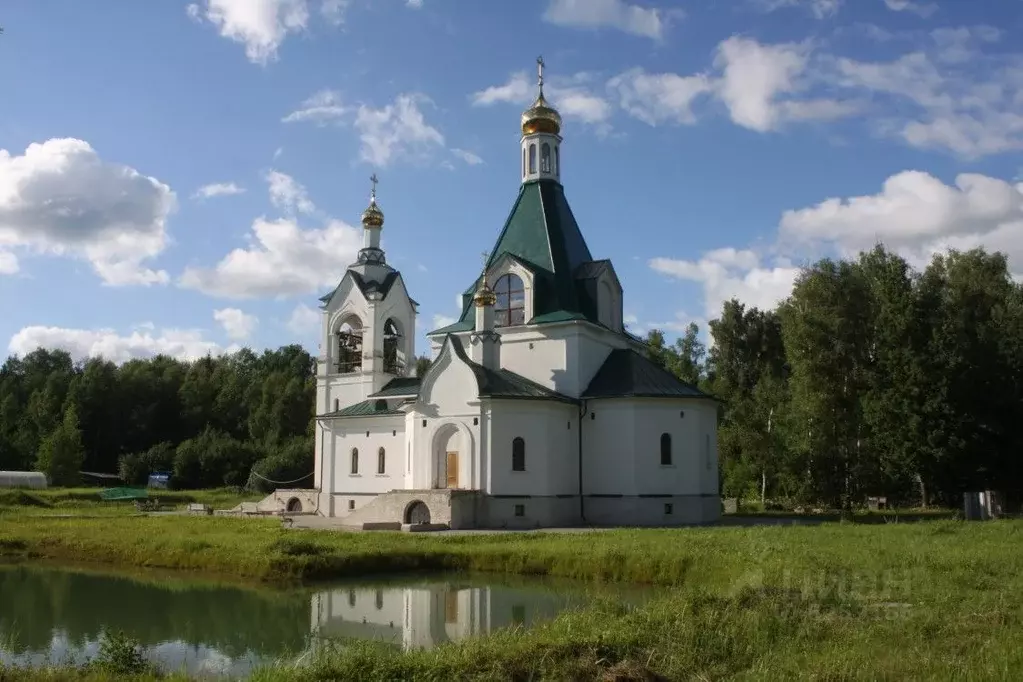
{"x":931,"y":600}
{"x":87,"y":501}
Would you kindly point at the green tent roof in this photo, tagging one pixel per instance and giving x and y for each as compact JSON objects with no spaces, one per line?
{"x":541,"y":233}
{"x":628,"y":374}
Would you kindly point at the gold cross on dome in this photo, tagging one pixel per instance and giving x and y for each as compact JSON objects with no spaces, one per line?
{"x":539,"y":72}
{"x":373,"y":179}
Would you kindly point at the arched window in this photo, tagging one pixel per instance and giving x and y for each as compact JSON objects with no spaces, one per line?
{"x":545,"y":158}
{"x":393,"y":362}
{"x":523,"y":162}
{"x":349,"y":347}
{"x":532,"y":158}
{"x":381,"y":461}
{"x":510,"y":309}
{"x":337,"y":404}
{"x":379,"y":599}
{"x":665,"y":449}
{"x":518,"y":455}
{"x":355,"y":460}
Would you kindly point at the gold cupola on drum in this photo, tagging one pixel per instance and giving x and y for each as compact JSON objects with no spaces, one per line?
{"x":541,"y":136}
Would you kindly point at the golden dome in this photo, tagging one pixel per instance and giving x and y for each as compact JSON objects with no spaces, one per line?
{"x":541,"y":117}
{"x":373,"y":216}
{"x":485,"y":296}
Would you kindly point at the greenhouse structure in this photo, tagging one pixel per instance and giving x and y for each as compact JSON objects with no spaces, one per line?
{"x":22,"y":479}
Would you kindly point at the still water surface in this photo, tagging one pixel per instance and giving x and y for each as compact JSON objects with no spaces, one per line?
{"x":57,"y":615}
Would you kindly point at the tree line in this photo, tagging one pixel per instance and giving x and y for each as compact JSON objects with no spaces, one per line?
{"x":218,"y":421}
{"x":870,"y":379}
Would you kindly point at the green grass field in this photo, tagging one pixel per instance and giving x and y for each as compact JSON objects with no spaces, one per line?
{"x":936,"y":600}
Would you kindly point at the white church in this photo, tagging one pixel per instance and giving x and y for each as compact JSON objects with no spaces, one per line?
{"x":539,"y":409}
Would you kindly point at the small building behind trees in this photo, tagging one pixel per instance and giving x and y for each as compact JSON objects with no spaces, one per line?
{"x":22,"y":479}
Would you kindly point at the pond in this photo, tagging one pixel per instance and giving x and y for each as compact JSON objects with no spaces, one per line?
{"x":56,"y":615}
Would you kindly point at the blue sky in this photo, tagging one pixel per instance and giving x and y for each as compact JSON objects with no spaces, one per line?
{"x":187,"y":177}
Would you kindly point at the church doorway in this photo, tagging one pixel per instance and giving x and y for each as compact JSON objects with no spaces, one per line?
{"x":417,"y":513}
{"x":452,"y":469}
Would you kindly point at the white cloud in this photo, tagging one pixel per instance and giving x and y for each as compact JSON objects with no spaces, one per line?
{"x":334,"y":11}
{"x":61,"y":198}
{"x":321,"y":108}
{"x":727,"y":273}
{"x":467,"y":156}
{"x":288,"y":194}
{"x":923,"y":9}
{"x":442,"y":321}
{"x":237,"y":324}
{"x":572,"y":96}
{"x":591,"y":14}
{"x":218,"y":189}
{"x":260,"y":25}
{"x":656,"y":98}
{"x":821,"y":9}
{"x":917,"y":215}
{"x":8,"y":263}
{"x":304,"y":321}
{"x":757,"y":78}
{"x":955,"y":98}
{"x":398,"y":130}
{"x":414,"y":4}
{"x":140,"y":343}
{"x":282,"y":259}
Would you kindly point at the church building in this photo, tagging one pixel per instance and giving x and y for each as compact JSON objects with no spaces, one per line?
{"x":539,"y":410}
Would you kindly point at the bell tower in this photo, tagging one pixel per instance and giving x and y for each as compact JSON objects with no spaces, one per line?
{"x":541,"y":137}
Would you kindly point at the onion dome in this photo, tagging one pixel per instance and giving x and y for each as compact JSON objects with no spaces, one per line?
{"x":485,"y":296}
{"x":541,"y":117}
{"x":373,"y":216}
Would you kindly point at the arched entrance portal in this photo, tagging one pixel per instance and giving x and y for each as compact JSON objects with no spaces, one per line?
{"x":294,"y":505}
{"x":449,"y":448}
{"x":417,"y":513}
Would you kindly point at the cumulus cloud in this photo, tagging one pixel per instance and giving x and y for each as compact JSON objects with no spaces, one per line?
{"x":61,"y":198}
{"x":914,"y":214}
{"x":395,"y":131}
{"x":658,"y":98}
{"x":237,"y":324}
{"x":282,"y":257}
{"x":143,"y":342}
{"x":304,"y":321}
{"x":821,"y":9}
{"x":288,"y":194}
{"x":260,"y":25}
{"x":218,"y":189}
{"x":592,"y":14}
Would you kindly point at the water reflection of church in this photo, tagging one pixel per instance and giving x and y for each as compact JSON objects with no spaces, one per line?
{"x":428,"y":614}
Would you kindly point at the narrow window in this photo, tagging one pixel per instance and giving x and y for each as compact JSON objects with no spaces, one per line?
{"x":557,"y":161}
{"x":532,"y":159}
{"x":355,"y":460}
{"x":518,"y":455}
{"x":337,"y":404}
{"x":380,"y":600}
{"x":351,"y":505}
{"x":545,"y":158}
{"x":669,"y":508}
{"x":523,"y":162}
{"x":351,"y":597}
{"x":665,"y":449}
{"x":520,"y":510}
{"x":381,"y":461}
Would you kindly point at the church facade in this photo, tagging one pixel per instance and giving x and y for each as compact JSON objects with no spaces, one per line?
{"x":539,"y":409}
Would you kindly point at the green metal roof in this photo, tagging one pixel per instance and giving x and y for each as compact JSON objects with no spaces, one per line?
{"x":367,"y":408}
{"x":542,"y":234}
{"x":628,"y":374}
{"x":368,"y":286}
{"x":399,"y":387}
